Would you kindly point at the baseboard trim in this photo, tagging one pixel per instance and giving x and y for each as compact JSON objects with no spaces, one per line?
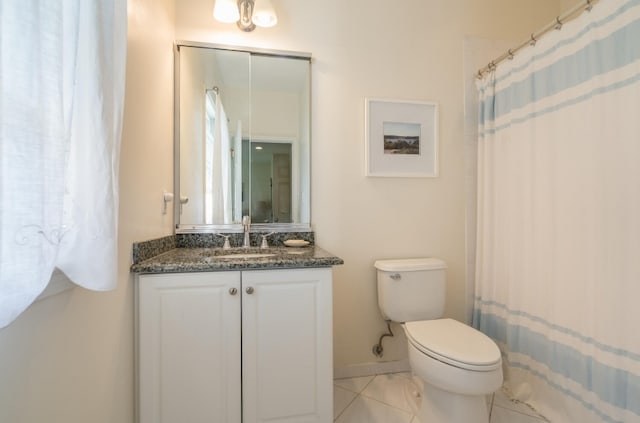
{"x":370,"y":369}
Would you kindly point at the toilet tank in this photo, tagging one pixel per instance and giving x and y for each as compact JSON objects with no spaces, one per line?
{"x":411,"y":289}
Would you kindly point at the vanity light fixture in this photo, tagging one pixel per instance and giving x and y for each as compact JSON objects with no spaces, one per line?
{"x":246,"y":13}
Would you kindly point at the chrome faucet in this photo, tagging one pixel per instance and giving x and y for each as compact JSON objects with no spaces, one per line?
{"x":246,"y":226}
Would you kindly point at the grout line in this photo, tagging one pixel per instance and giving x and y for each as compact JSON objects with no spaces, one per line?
{"x":347,"y":406}
{"x":359,"y":394}
{"x":538,"y":417}
{"x":353,"y":390}
{"x":368,"y":383}
{"x":388,"y":405}
{"x":493,"y":398}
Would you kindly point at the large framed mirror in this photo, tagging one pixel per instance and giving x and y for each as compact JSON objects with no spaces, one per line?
{"x":242,"y":135}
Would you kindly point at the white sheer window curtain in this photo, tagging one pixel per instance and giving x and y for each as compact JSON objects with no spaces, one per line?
{"x":62,"y":71}
{"x":217,"y":162}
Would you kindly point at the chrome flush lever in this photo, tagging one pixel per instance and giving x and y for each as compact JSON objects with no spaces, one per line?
{"x":395,"y":276}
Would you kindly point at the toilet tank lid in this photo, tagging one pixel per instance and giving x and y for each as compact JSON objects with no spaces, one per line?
{"x":410,"y":265}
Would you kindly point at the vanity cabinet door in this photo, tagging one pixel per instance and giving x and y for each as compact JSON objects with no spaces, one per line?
{"x":188,"y":348}
{"x":287,"y":348}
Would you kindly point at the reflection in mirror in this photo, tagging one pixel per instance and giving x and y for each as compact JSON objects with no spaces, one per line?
{"x":271,"y":190}
{"x":243,"y":138}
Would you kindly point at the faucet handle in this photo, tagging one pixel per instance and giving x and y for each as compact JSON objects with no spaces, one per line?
{"x":246,"y":220}
{"x":226,"y":245}
{"x":264,"y":243}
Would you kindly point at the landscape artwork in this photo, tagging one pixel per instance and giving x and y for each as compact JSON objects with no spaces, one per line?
{"x":401,"y":138}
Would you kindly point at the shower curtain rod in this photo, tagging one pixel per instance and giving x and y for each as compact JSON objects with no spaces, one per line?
{"x":573,"y":13}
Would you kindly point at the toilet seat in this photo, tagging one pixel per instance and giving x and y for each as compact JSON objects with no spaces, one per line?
{"x":454,"y":343}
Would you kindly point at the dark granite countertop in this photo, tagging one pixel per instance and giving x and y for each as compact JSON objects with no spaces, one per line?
{"x":218,"y":259}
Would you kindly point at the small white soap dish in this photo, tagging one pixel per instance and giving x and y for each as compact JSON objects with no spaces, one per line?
{"x":296,"y":243}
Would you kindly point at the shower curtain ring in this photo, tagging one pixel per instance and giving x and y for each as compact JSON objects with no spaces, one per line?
{"x":510,"y":54}
{"x":533,"y":40}
{"x":589,"y":6}
{"x":558,"y":23}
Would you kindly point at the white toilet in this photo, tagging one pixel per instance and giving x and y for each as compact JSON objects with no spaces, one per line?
{"x":458,"y":365}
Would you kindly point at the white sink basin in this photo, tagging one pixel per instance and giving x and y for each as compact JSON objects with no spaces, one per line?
{"x":245,"y":255}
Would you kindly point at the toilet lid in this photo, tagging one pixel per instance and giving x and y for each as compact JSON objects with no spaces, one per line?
{"x":454,"y":343}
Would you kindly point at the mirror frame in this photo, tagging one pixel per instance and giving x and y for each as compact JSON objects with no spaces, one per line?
{"x":226,"y":228}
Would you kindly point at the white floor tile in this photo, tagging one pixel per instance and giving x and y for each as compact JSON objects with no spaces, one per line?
{"x":490,"y":400}
{"x":391,"y":389}
{"x":366,"y":410}
{"x":501,"y":400}
{"x":386,"y":399}
{"x":341,"y":399}
{"x":503,"y":415}
{"x":354,"y":384}
{"x":407,"y":375}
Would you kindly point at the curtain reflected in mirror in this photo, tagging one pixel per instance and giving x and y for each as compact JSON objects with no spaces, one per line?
{"x":217,"y":178}
{"x":223,"y":163}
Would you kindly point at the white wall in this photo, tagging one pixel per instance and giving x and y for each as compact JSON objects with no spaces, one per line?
{"x":375,"y":48}
{"x":69,"y":358}
{"x":568,"y":4}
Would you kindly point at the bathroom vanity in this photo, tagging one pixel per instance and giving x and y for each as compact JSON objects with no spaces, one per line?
{"x":242,"y":335}
{"x":237,"y":335}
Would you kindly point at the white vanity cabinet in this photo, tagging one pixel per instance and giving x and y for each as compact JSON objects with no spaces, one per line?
{"x":235,"y":347}
{"x":188,"y":347}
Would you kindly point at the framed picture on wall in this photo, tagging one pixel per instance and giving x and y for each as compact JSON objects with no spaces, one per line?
{"x":401,"y":138}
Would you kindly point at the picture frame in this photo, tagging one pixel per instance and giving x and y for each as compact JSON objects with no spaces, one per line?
{"x":401,"y":138}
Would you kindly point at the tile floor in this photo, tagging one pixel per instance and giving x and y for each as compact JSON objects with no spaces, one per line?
{"x":384,"y":399}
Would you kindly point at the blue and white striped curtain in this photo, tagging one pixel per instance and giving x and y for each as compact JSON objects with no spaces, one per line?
{"x":558,"y":249}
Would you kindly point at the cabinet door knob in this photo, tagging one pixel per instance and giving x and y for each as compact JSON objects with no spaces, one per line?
{"x":250,"y":290}
{"x":233,"y":291}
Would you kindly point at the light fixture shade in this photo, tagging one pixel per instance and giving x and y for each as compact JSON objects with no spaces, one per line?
{"x":226,"y":11}
{"x":264,"y":14}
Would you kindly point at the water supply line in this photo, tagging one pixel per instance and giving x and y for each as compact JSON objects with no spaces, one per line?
{"x":378,"y":350}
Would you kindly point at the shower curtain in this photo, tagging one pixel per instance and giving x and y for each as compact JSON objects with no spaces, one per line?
{"x":558,"y":246}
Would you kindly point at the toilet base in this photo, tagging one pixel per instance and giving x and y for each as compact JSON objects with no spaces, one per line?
{"x":440,"y":406}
